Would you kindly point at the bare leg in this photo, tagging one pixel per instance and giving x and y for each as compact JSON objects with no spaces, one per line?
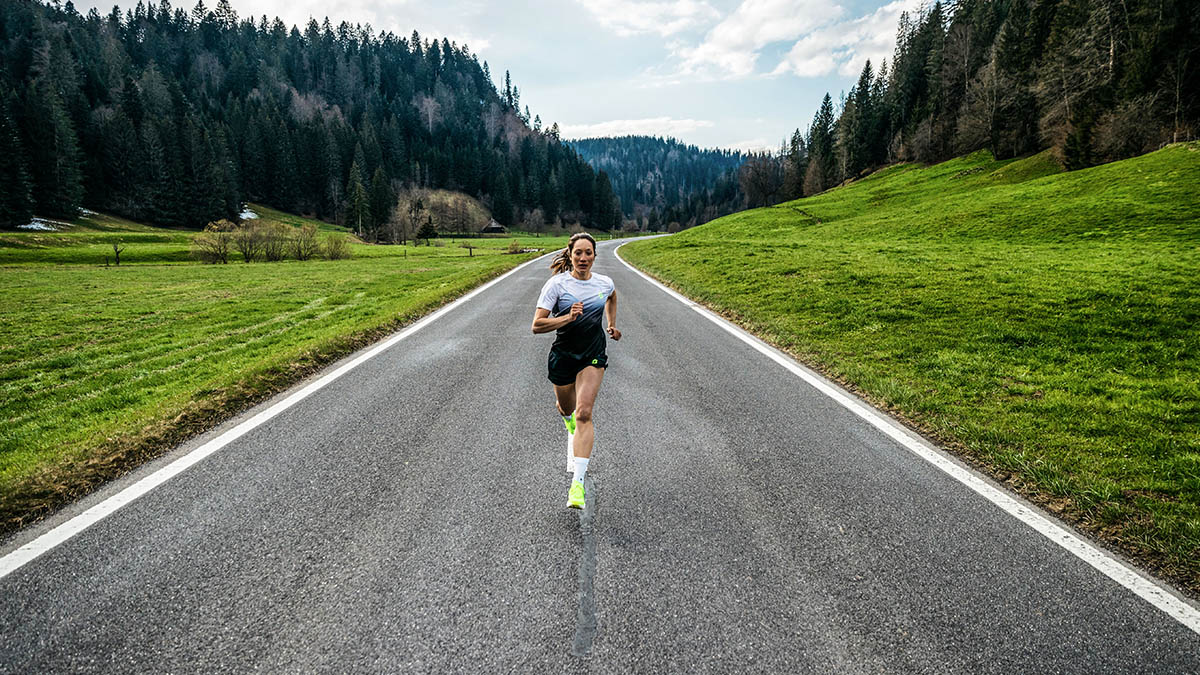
{"x":564,"y":398}
{"x":587,"y":385}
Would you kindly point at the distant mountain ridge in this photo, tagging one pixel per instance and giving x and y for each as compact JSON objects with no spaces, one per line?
{"x":660,"y":181}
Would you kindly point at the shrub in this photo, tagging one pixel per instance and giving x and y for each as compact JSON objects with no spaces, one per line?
{"x":336,"y":247}
{"x":248,"y":240}
{"x":275,"y":240}
{"x":514,"y":246}
{"x":212,"y":245}
{"x":305,"y":243}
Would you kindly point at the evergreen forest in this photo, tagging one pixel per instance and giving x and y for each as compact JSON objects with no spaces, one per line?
{"x":664,"y":184}
{"x":1093,"y":81}
{"x":178,"y":117}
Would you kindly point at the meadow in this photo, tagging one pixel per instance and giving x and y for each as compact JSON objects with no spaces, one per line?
{"x":1043,"y":325}
{"x":104,"y":366}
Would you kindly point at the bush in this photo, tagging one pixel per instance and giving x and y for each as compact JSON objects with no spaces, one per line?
{"x":275,"y":240}
{"x":248,"y":240}
{"x":514,"y":246}
{"x":336,"y":247}
{"x":212,"y":245}
{"x":305,"y":243}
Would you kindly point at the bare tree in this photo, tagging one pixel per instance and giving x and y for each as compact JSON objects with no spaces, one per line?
{"x":275,"y":241}
{"x":248,"y":240}
{"x":396,"y":224}
{"x":212,"y":245}
{"x":305,"y":243}
{"x":988,"y":93}
{"x":1128,"y":130}
{"x":1074,"y":69}
{"x":1175,"y":77}
{"x":761,"y":178}
{"x":429,"y":107}
{"x":410,"y":203}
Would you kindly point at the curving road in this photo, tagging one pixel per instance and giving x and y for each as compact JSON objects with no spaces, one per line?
{"x":408,"y":516}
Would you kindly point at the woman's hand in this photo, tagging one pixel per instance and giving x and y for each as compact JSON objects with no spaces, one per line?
{"x":576,"y":311}
{"x":614,"y":333}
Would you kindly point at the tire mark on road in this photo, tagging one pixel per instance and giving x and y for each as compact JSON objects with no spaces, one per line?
{"x":585,"y":615}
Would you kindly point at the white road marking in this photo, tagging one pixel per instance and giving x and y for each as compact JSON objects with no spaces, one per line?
{"x":1147,"y":589}
{"x":30,"y":551}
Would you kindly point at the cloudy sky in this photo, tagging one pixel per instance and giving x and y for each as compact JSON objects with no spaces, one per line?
{"x":716,"y":73}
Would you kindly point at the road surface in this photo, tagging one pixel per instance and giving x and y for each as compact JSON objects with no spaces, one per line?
{"x":409,"y":517}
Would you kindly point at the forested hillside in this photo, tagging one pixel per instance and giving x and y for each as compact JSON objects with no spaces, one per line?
{"x":661,"y":182}
{"x":177,"y":117}
{"x":1092,"y":80}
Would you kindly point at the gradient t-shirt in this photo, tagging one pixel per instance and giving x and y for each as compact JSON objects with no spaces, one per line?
{"x":583,"y":337}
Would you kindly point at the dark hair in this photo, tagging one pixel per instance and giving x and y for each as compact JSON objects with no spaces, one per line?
{"x":562,"y":261}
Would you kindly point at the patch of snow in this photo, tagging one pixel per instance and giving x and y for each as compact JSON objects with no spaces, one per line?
{"x":87,"y":212}
{"x":247,"y":214}
{"x":43,"y":225}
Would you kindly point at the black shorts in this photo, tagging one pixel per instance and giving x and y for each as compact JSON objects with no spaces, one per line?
{"x":563,"y":367}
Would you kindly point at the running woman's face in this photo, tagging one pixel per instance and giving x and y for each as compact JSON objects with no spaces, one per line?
{"x":582,"y":255}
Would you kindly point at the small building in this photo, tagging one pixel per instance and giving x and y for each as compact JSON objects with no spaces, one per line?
{"x":494,"y":228}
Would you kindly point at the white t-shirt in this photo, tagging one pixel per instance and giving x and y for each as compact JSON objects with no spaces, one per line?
{"x":583,"y":337}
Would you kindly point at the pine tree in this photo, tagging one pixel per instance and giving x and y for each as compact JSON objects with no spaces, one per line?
{"x":502,"y":206}
{"x":120,"y":150}
{"x":864,"y":124}
{"x":358,"y":204}
{"x":820,"y":174}
{"x":16,"y":197}
{"x":607,"y":211}
{"x":55,"y":164}
{"x":382,"y":199}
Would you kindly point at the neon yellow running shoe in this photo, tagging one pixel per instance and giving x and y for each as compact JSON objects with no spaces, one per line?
{"x":569,"y":420}
{"x":576,"y":495}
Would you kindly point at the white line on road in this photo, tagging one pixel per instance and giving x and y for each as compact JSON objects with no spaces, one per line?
{"x":16,"y":559}
{"x":1145,"y":588}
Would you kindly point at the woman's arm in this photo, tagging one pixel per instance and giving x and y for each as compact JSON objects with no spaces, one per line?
{"x":610,"y":313}
{"x":543,"y":323}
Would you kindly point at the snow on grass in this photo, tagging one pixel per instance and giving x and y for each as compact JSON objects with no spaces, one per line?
{"x":44,"y":225}
{"x":87,"y":212}
{"x":247,"y":214}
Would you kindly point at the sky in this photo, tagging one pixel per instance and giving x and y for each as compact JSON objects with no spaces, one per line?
{"x":736,"y":74}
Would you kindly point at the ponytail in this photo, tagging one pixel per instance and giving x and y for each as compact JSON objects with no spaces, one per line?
{"x":562,"y":261}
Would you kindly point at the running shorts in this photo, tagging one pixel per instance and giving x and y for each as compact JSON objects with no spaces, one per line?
{"x":563,"y":367}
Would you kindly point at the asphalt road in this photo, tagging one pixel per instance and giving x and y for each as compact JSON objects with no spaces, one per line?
{"x":409,"y":517}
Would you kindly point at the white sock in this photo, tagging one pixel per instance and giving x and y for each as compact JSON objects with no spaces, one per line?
{"x":581,"y":467}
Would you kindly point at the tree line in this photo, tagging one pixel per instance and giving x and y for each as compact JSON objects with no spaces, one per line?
{"x":1092,"y":80}
{"x":663,"y":184}
{"x":177,"y":118}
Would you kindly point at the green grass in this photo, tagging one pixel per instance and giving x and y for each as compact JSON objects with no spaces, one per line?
{"x":103,"y":366}
{"x":1046,"y":324}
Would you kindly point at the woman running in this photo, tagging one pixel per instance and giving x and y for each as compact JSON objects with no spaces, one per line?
{"x":571,"y":303}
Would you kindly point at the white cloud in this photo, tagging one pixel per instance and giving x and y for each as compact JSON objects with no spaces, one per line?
{"x":651,"y":126}
{"x":753,"y":145}
{"x":630,"y":17}
{"x":822,"y":41}
{"x":844,"y":47}
{"x":731,"y":48}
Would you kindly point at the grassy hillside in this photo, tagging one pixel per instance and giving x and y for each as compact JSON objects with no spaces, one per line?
{"x":1045,"y":324}
{"x":101,"y":367}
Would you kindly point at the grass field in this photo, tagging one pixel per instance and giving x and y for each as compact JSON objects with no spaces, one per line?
{"x":1044,"y":324}
{"x":101,"y":367}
